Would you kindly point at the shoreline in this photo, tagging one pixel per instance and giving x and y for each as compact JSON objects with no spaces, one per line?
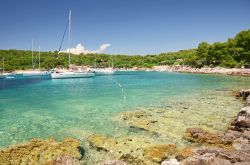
{"x":216,"y":70}
{"x":244,"y":72}
{"x":186,"y":69}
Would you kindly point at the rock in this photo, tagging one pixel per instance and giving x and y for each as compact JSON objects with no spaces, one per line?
{"x":132,"y":160}
{"x":63,"y":160}
{"x":242,"y":120}
{"x":102,"y":142}
{"x":113,"y":162}
{"x":206,"y":159}
{"x":241,"y":163}
{"x":140,"y":119}
{"x":241,"y":144}
{"x":235,"y":156}
{"x":199,"y":135}
{"x":136,"y":114}
{"x":243,"y":93}
{"x":40,"y":152}
{"x":245,"y":111}
{"x":230,"y":136}
{"x":218,"y":156}
{"x":248,"y":101}
{"x":246,"y":135}
{"x":184,"y":153}
{"x":170,"y":162}
{"x":158,"y":153}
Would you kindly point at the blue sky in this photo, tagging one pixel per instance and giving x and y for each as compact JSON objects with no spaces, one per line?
{"x":130,"y":26}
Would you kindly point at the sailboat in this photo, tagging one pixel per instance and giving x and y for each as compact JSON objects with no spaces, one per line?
{"x":68,"y":73}
{"x":2,"y":75}
{"x":35,"y":73}
{"x":6,"y":75}
{"x":105,"y":71}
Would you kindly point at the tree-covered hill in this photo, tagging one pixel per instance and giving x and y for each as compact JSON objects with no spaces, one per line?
{"x":235,"y":52}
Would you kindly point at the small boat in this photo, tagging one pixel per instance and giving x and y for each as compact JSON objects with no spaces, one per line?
{"x":71,"y":74}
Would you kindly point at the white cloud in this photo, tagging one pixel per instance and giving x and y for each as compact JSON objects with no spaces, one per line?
{"x":80,"y":49}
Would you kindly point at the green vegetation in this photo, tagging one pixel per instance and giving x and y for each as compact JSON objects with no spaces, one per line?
{"x":233,"y":53}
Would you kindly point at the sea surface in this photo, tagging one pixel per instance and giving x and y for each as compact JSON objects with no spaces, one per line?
{"x":35,"y":108}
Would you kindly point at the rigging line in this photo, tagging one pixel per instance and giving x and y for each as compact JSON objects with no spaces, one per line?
{"x":63,"y":36}
{"x":121,"y":87}
{"x":34,"y":64}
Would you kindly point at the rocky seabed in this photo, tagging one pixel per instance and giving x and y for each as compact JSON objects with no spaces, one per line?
{"x":206,"y":148}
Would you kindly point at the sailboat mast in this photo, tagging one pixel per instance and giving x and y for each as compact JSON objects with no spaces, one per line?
{"x":3,"y":65}
{"x":32,"y":56}
{"x":69,"y":34}
{"x":39,"y":57}
{"x":112,"y":61}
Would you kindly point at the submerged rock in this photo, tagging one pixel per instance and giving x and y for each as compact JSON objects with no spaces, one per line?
{"x":41,"y":151}
{"x":128,"y":149}
{"x":184,"y":153}
{"x":158,"y":153}
{"x":133,"y":159}
{"x":141,"y":120}
{"x":102,"y":142}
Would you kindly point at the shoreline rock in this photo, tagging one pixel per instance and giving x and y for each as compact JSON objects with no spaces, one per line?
{"x":237,"y":135}
{"x":216,"y":70}
{"x":39,"y":151}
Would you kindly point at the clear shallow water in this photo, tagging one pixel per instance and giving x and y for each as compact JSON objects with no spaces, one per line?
{"x":58,"y":108}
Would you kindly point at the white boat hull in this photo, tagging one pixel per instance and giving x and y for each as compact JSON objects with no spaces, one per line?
{"x":103,"y":71}
{"x":65,"y":75}
{"x":35,"y":74}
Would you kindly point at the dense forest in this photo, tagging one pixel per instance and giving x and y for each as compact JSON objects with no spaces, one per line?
{"x":235,"y":52}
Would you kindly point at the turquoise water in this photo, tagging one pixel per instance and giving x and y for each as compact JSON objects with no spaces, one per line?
{"x":58,"y":108}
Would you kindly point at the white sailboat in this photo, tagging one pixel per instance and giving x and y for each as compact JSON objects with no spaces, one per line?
{"x":70,"y":74}
{"x":2,"y":74}
{"x":105,"y":71}
{"x":6,"y":75}
{"x":35,"y":73}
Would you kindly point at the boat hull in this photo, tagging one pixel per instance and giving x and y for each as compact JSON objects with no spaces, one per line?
{"x":66,"y":75}
{"x":103,"y":71}
{"x":36,"y":74}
